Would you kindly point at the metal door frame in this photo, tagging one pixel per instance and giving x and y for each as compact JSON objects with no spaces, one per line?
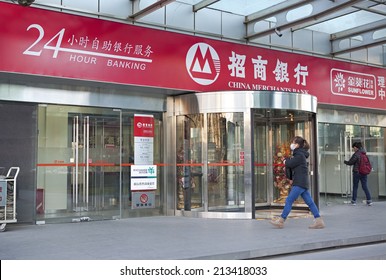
{"x":346,"y":177}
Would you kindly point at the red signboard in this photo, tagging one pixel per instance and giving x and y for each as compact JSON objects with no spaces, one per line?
{"x":46,"y":43}
{"x":143,"y":126}
{"x":143,"y":139}
{"x":351,"y":84}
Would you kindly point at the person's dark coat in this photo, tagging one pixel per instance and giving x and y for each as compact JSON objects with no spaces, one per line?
{"x":354,"y":160}
{"x":299,"y":166}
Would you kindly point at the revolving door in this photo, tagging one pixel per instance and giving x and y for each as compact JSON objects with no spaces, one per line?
{"x":273,"y":131}
{"x":230,"y":148}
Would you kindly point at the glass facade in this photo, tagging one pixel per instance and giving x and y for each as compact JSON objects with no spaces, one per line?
{"x":84,"y":160}
{"x":337,"y":131}
{"x":335,"y":146}
{"x":84,"y":157}
{"x":223,"y":149}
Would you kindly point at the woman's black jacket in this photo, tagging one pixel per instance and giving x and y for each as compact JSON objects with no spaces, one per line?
{"x":299,"y":167}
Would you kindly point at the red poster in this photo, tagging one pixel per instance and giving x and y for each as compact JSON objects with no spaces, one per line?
{"x":143,"y":126}
{"x":46,"y":43}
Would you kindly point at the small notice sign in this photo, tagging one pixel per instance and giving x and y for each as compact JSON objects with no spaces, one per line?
{"x":143,"y":200}
{"x":143,"y":177}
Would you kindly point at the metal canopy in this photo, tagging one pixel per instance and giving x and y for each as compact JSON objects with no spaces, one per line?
{"x":366,"y":34}
{"x":149,"y":9}
{"x":202,"y":4}
{"x":337,"y":18}
{"x":319,"y":10}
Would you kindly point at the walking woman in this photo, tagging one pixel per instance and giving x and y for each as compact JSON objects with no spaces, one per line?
{"x":297,"y":166}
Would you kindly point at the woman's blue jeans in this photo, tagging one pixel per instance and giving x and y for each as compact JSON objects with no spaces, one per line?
{"x":363,"y":178}
{"x":295,"y":192}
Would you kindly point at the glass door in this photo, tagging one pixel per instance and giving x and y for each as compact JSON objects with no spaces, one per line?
{"x":273,"y":132}
{"x":225,"y":136}
{"x":95,"y":175}
{"x":285,"y":126}
{"x":79,"y":164}
{"x":261,"y":154}
{"x":190,"y":186}
{"x":211,"y":179}
{"x":335,"y":146}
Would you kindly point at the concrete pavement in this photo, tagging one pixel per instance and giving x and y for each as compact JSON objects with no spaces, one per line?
{"x":163,"y":238}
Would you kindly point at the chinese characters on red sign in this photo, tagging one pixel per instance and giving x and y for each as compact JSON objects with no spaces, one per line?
{"x":54,"y":44}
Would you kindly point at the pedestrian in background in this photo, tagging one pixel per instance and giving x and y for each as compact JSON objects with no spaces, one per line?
{"x":354,"y":161}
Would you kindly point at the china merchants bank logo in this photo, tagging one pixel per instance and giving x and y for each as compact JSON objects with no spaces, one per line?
{"x":203,"y":64}
{"x":144,"y":125}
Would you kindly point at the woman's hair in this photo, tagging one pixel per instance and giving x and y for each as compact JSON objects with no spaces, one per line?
{"x":301,"y":142}
{"x":357,"y":145}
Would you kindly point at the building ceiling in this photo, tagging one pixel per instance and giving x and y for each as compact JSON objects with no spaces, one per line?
{"x":341,"y":19}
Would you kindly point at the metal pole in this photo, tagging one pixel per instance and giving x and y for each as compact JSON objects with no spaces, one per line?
{"x":87,"y":151}
{"x":76,"y":138}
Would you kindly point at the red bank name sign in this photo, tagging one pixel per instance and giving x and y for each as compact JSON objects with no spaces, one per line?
{"x":40,"y":42}
{"x":143,"y":125}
